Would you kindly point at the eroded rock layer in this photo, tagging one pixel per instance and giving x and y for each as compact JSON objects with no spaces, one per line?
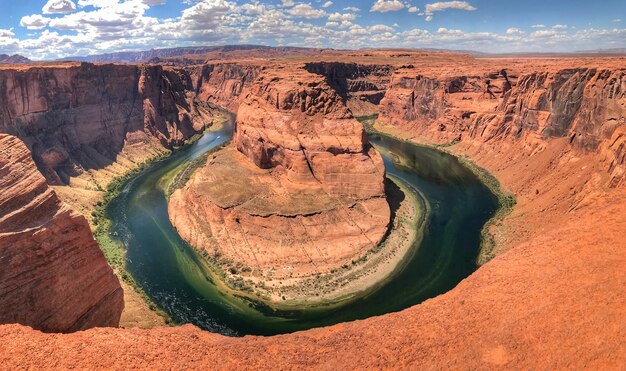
{"x":80,"y":117}
{"x":53,"y":276}
{"x":299,"y":193}
{"x":585,"y":105}
{"x":548,"y":302}
{"x":362,"y":86}
{"x":224,"y":83}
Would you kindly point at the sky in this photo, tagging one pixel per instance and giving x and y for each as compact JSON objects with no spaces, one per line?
{"x":50,"y":29}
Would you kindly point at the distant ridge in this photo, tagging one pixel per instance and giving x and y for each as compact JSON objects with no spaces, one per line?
{"x":14,"y":59}
{"x":611,"y":51}
{"x":146,"y":55}
{"x":158,"y":55}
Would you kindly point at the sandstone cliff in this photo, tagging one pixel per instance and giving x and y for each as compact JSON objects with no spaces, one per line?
{"x":224,"y":83}
{"x":78,"y":118}
{"x":87,"y":124}
{"x":303,"y":192}
{"x":585,"y":105}
{"x":553,"y":301}
{"x":362,"y":86}
{"x":53,"y":276}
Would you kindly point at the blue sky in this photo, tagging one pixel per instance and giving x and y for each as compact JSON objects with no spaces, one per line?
{"x":49,"y":29}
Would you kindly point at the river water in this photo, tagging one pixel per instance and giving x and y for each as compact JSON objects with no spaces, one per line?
{"x":172,"y":274}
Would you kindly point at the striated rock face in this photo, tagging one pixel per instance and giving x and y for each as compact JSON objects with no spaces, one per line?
{"x":301,"y":191}
{"x":555,"y":300}
{"x":299,"y":125}
{"x":77,"y":118}
{"x":585,"y":105}
{"x":415,"y":101}
{"x":53,"y":276}
{"x":362,"y":86}
{"x":224,"y":83}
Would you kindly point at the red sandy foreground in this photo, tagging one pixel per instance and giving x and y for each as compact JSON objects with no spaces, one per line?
{"x":553,"y":131}
{"x":555,"y":301}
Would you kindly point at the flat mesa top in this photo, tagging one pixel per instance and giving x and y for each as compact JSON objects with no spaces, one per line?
{"x":427,"y":62}
{"x":230,"y":180}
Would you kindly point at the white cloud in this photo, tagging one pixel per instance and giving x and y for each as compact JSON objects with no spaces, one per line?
{"x":513,"y":31}
{"x":437,"y":7}
{"x":413,"y":9}
{"x":306,"y":11}
{"x":387,"y":6}
{"x":341,"y":17}
{"x":104,"y":26}
{"x":538,"y":26}
{"x":34,"y":22}
{"x":559,"y":26}
{"x":380,"y":28}
{"x":544,"y":33}
{"x":58,"y":7}
{"x":327,"y":4}
{"x":616,"y":20}
{"x":8,"y":41}
{"x":430,"y":9}
{"x":287,"y":3}
{"x":352,"y":9}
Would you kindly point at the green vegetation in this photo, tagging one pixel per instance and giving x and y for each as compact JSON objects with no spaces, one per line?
{"x":114,"y":250}
{"x":506,"y":202}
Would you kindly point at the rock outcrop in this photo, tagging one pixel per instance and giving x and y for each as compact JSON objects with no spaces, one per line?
{"x":53,"y":276}
{"x":362,"y":86}
{"x":553,"y":301}
{"x":301,"y":195}
{"x":87,"y":124}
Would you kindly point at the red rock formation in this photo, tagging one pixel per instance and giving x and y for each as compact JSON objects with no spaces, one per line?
{"x":53,"y":276}
{"x":553,"y":301}
{"x":295,"y":122}
{"x":361,"y":86}
{"x":224,"y":83}
{"x":552,"y":298}
{"x":308,"y":175}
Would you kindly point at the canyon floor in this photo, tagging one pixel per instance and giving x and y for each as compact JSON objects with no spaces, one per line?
{"x":552,"y":131}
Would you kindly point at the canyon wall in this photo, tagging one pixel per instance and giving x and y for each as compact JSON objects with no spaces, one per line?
{"x":554,"y":301}
{"x":361,"y":86}
{"x":587,"y":106}
{"x":224,"y":83}
{"x":53,"y":276}
{"x":79,"y":118}
{"x":294,"y":121}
